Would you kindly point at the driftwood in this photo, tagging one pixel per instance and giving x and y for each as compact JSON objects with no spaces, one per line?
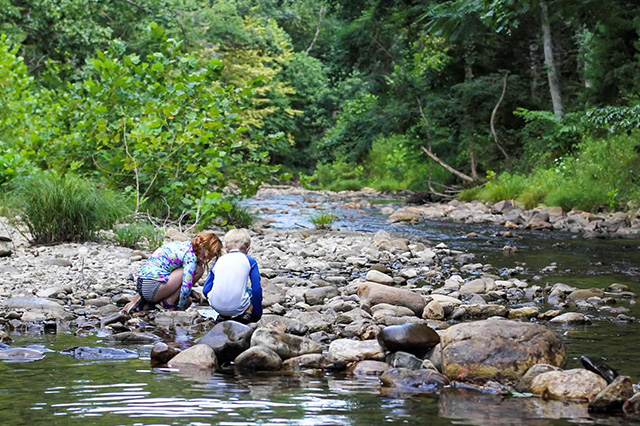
{"x":446,"y":166}
{"x":493,"y":116}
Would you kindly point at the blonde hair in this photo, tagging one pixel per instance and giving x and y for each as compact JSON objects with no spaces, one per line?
{"x":208,"y":240}
{"x":237,"y":239}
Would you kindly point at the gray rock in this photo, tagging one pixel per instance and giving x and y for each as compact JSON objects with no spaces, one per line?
{"x":379,"y":277}
{"x":524,"y":384}
{"x":129,"y":337}
{"x":90,"y":352}
{"x":258,"y":358}
{"x":370,"y":368}
{"x":21,"y":354}
{"x":416,"y":339}
{"x":285,"y":345}
{"x":571,"y":318}
{"x":493,"y":348}
{"x":569,"y":384}
{"x":304,"y":362}
{"x":612,"y":398}
{"x":317,"y":296}
{"x":288,"y":325}
{"x":418,"y":380}
{"x":196,"y":356}
{"x":161,"y":353}
{"x":372,"y":294}
{"x":228,"y":339}
{"x":404,"y":360}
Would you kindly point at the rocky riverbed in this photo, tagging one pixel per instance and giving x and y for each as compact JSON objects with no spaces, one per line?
{"x":416,"y":313}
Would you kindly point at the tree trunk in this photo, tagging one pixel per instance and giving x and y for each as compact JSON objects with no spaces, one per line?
{"x":492,"y":122}
{"x":469,"y":59}
{"x":552,"y":72}
{"x":534,"y":66}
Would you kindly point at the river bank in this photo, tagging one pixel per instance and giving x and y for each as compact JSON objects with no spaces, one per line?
{"x":330,"y":289}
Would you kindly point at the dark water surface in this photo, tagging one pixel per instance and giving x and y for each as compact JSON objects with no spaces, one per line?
{"x":61,"y":390}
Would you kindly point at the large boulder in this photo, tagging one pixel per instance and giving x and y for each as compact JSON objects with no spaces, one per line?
{"x":285,"y":345}
{"x":416,"y":339}
{"x":195,"y":356}
{"x":228,"y":339}
{"x":373,"y":293}
{"x":611,"y":398}
{"x":39,"y":308}
{"x":569,"y":384}
{"x":498,"y":348}
{"x":419,"y":380}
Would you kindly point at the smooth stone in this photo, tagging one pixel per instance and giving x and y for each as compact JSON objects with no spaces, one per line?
{"x":524,"y":384}
{"x":45,"y":307}
{"x":584,"y":294}
{"x":577,"y":383}
{"x":304,"y":362}
{"x":161,"y":353}
{"x":498,"y":348}
{"x":370,"y":368}
{"x":317,"y":296}
{"x":404,"y":360}
{"x":378,"y":277}
{"x":228,"y":339}
{"x":170,"y":319}
{"x":571,"y":318}
{"x":258,"y":358}
{"x":524,"y":312}
{"x":131,"y":337}
{"x":89,"y":352}
{"x":416,"y":339}
{"x":418,"y":380}
{"x":372,"y":294}
{"x":285,"y":345}
{"x":288,"y":325}
{"x":347,"y":350}
{"x":483,"y":311}
{"x":612,"y":398}
{"x":433,"y":310}
{"x":21,"y":354}
{"x":198,"y":356}
{"x":631,"y":407}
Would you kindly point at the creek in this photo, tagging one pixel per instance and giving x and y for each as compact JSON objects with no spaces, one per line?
{"x":61,"y":390}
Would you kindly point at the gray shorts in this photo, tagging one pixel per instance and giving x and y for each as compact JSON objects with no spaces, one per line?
{"x":147,"y":288}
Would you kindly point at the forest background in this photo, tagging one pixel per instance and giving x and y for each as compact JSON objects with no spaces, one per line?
{"x":182,"y":107}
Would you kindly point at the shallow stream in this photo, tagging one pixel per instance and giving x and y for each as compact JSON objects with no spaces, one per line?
{"x":61,"y":390}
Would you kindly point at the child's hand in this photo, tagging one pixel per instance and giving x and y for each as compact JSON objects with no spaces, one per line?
{"x":197,"y":297}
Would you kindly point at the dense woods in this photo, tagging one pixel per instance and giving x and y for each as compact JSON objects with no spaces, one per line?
{"x":184,"y":106}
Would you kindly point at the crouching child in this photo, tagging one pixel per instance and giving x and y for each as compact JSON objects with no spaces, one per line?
{"x":233,"y":286}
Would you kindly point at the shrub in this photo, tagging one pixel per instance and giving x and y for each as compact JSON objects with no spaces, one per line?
{"x":237,"y":215}
{"x":506,"y":186}
{"x":132,"y":234}
{"x":65,"y":208}
{"x":324,"y":220}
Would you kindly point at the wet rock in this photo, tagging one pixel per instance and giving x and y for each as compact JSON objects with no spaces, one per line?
{"x":370,"y":368}
{"x":90,"y":352}
{"x":347,"y":350}
{"x":21,"y":354}
{"x":524,"y":384}
{"x":600,"y":368}
{"x":353,"y":316}
{"x":612,"y":398}
{"x":372,"y":294}
{"x":404,"y":360}
{"x":304,"y":362}
{"x":228,"y":339}
{"x":258,"y":358}
{"x":498,"y":348}
{"x":483,"y":311}
{"x":524,"y":312}
{"x":196,"y":356}
{"x":161,"y":353}
{"x":416,"y":339}
{"x":479,"y":285}
{"x":113,"y":318}
{"x":285,"y":345}
{"x":569,"y":384}
{"x":379,"y":277}
{"x":571,"y":318}
{"x":547,"y":315}
{"x":631,"y":407}
{"x":131,"y":338}
{"x":418,"y":380}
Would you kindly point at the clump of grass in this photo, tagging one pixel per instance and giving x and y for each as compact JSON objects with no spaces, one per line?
{"x":133,"y":234}
{"x":324,"y":220}
{"x":238,"y":216}
{"x":58,"y":208}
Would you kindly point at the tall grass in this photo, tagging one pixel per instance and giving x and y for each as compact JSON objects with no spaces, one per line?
{"x":58,"y":208}
{"x":133,"y":234}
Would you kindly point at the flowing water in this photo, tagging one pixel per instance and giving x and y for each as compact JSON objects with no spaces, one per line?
{"x":61,"y":390}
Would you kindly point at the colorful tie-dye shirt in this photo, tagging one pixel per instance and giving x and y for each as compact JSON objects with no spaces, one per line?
{"x":168,"y":258}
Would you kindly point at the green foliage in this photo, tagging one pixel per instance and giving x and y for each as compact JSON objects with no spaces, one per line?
{"x":132,"y":234}
{"x":505,"y":186}
{"x":336,"y":176}
{"x":165,"y":127}
{"x":236,"y":215}
{"x":58,"y":208}
{"x":323,"y":220}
